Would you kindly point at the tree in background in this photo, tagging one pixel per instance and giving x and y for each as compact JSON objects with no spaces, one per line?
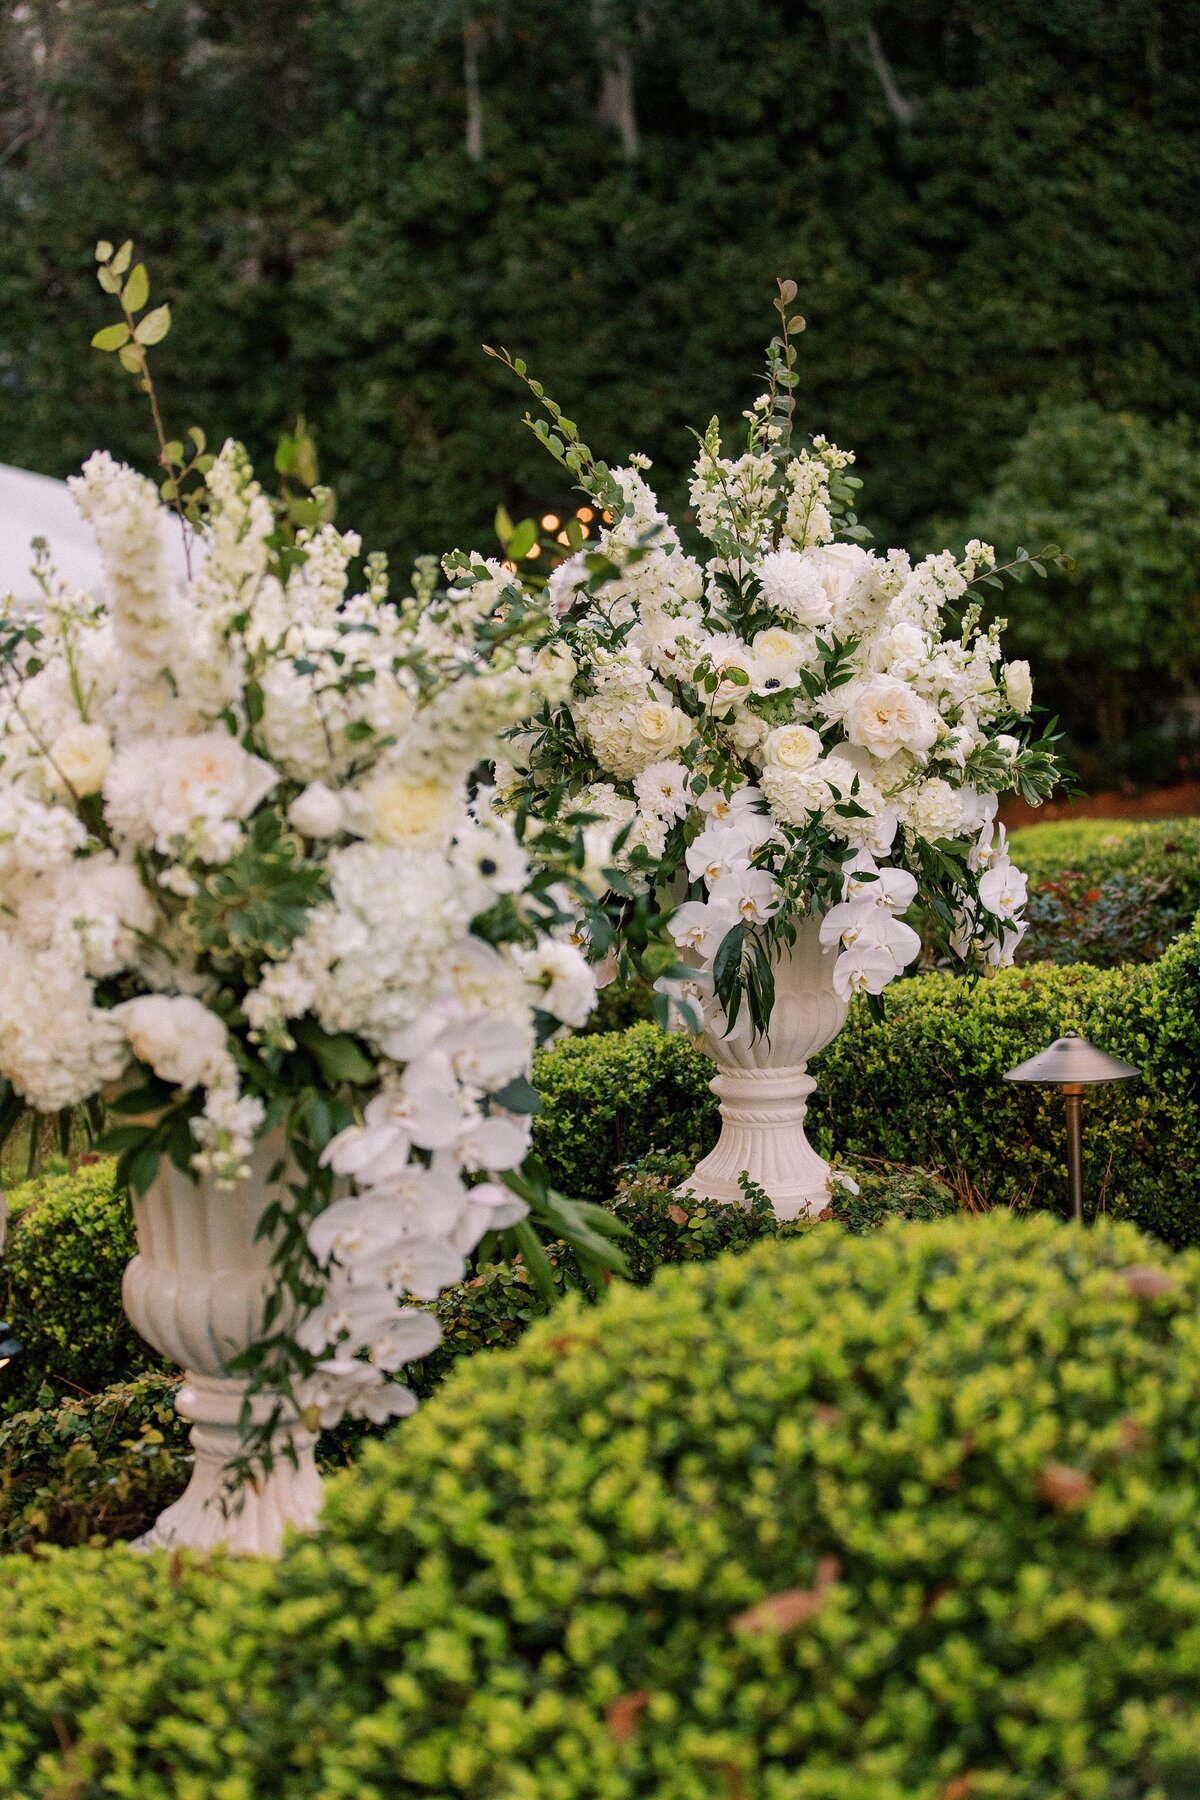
{"x":1119,"y":634}
{"x":984,"y":206}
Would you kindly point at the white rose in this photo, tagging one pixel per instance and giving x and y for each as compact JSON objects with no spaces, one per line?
{"x":1018,"y":686}
{"x":317,"y":812}
{"x":208,"y":774}
{"x":80,"y":757}
{"x":884,"y":715}
{"x":662,"y":726}
{"x":840,"y":568}
{"x":176,"y":1036}
{"x":792,"y":747}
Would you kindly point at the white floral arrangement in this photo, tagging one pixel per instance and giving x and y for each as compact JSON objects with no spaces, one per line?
{"x":783,"y":723}
{"x":250,"y":894}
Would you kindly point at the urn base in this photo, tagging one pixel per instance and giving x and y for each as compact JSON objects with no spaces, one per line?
{"x":252,"y":1518}
{"x":762,"y":1137}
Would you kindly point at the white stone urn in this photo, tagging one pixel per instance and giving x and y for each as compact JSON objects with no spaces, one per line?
{"x":763,"y":1087}
{"x":196,"y":1291}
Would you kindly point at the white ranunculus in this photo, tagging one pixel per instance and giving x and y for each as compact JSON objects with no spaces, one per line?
{"x":80,"y":756}
{"x":884,"y":715}
{"x":1018,"y":686}
{"x":792,"y":747}
{"x":317,"y":812}
{"x":418,"y":812}
{"x":176,"y":1036}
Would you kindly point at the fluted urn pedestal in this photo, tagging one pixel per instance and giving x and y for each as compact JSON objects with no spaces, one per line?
{"x":196,"y":1290}
{"x":763,"y":1087}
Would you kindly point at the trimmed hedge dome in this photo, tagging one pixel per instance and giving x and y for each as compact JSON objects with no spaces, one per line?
{"x":907,"y":1517}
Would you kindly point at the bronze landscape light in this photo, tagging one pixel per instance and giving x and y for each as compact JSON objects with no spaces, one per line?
{"x":1073,"y":1064}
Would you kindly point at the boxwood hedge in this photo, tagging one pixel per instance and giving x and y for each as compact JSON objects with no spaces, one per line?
{"x":102,"y":1465}
{"x":924,"y":1086}
{"x":1108,"y":891}
{"x":910,"y":1516}
{"x":69,"y":1239}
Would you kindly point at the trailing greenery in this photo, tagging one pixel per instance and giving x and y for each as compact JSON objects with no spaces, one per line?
{"x":906,"y":1517}
{"x":69,"y":1239}
{"x":91,"y":1467}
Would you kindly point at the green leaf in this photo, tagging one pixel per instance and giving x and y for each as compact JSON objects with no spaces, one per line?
{"x":519,"y":1096}
{"x":523,"y":539}
{"x":123,"y":258}
{"x":103,"y":250}
{"x":504,"y":525}
{"x":155,"y":326}
{"x":139,"y":1167}
{"x":535,"y":1259}
{"x":338,"y":1057}
{"x":729,"y":956}
{"x":129,"y":359}
{"x":136,"y":291}
{"x":111,"y":337}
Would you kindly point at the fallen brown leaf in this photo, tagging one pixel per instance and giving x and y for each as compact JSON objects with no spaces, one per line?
{"x":677,"y":1215}
{"x":1065,"y":1488}
{"x":622,"y":1716}
{"x":784,"y":1611}
{"x":1144,"y":1281}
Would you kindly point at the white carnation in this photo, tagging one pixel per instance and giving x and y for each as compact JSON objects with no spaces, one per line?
{"x":791,"y":583}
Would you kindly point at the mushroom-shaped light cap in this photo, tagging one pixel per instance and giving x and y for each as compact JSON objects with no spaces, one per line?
{"x":1070,"y":1059}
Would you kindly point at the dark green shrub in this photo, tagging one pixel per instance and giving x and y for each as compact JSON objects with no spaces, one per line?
{"x":69,"y":1240}
{"x":925,"y":1085}
{"x":612,"y":1098}
{"x":101,"y":1466}
{"x":906,"y":1518}
{"x":496,"y":1306}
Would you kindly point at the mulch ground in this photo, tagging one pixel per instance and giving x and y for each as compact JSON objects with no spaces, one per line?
{"x":1179,"y":801}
